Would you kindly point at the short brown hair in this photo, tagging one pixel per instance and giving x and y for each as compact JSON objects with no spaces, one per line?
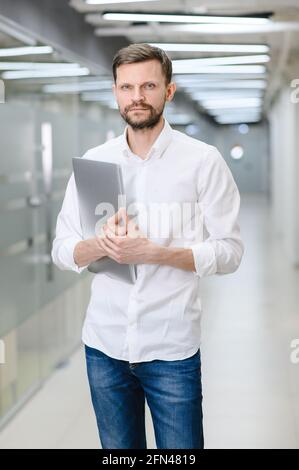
{"x":140,"y":53}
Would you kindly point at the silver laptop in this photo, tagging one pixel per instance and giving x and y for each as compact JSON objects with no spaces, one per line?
{"x":98,"y":183}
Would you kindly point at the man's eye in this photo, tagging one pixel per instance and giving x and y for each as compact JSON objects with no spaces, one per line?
{"x":125,"y":87}
{"x":150,"y":85}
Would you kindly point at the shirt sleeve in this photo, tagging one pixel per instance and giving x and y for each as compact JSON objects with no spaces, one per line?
{"x":221,"y":252}
{"x":68,"y":231}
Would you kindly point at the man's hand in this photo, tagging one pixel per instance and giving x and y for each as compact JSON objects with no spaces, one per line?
{"x":122,"y":241}
{"x":87,"y":251}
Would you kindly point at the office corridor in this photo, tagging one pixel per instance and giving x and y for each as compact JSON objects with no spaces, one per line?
{"x":213,"y":89}
{"x":250,"y":386}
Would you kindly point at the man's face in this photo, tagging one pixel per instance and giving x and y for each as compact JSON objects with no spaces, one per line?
{"x":141,"y":93}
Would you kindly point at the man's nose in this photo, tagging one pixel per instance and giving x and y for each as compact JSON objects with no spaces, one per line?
{"x":137,"y":95}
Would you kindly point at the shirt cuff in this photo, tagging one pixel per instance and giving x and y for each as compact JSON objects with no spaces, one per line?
{"x":66,"y":255}
{"x":204,"y":259}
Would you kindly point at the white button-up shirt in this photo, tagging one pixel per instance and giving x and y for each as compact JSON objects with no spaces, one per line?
{"x":159,"y":316}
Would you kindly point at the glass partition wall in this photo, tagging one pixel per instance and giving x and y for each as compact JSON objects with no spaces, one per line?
{"x":42,"y":308}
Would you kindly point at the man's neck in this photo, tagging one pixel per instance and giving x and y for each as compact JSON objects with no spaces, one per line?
{"x":141,"y":140}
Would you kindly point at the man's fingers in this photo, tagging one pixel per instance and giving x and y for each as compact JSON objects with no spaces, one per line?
{"x":108,"y":250}
{"x":110,"y":231}
{"x":133,"y":230}
{"x":114,"y":231}
{"x":122,"y":216}
{"x":113,"y":219}
{"x":110,"y":243}
{"x":117,"y":230}
{"x":119,"y":218}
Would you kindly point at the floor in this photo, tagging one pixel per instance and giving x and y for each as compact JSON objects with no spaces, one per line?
{"x":250,"y":385}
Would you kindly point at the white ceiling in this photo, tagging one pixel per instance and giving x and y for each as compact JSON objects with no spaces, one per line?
{"x":195,"y":6}
{"x":283,"y":10}
{"x":283,"y":40}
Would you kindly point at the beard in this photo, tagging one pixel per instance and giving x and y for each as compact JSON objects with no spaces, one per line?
{"x":149,"y":122}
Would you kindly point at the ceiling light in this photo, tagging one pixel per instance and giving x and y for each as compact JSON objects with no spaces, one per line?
{"x":105,"y":2}
{"x":192,"y":129}
{"x":178,"y":30}
{"x":77,"y":87}
{"x":240,"y":69}
{"x":36,"y":66}
{"x":239,"y":113}
{"x":15,"y":75}
{"x":243,"y":129}
{"x":242,"y":48}
{"x":227,"y":94}
{"x":254,"y":110}
{"x":112,"y":105}
{"x":218,"y":84}
{"x":237,"y":119}
{"x":19,"y":51}
{"x":213,"y":78}
{"x":231,"y":103}
{"x":241,"y":59}
{"x":217,"y":29}
{"x":178,"y":119}
{"x":98,"y":96}
{"x":237,"y":152}
{"x":236,"y":112}
{"x":168,"y":18}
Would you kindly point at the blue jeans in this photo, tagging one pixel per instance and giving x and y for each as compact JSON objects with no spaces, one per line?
{"x":173,"y":393}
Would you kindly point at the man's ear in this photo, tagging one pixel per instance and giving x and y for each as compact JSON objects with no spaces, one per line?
{"x":114,"y":90}
{"x":171,"y":89}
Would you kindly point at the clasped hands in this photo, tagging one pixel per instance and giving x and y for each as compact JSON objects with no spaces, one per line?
{"x":121,"y":239}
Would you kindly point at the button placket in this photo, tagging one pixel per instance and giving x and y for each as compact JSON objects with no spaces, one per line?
{"x":131,"y":338}
{"x":131,"y":333}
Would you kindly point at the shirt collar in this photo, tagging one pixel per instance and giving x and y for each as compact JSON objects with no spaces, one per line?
{"x":159,"y":146}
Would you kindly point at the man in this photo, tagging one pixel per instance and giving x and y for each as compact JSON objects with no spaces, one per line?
{"x":142,"y":341}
